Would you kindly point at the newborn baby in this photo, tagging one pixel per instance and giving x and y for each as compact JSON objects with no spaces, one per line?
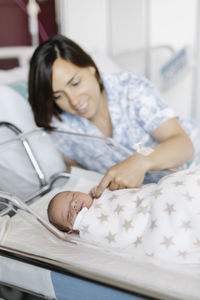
{"x":157,"y":220}
{"x":64,"y":208}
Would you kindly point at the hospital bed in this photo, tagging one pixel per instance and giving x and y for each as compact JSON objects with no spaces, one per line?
{"x":36,"y":261}
{"x":78,"y":270}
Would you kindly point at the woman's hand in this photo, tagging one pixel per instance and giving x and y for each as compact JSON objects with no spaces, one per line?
{"x":174,"y":149}
{"x":127,"y":174}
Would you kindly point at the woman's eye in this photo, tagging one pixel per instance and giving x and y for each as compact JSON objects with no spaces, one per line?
{"x":75,"y":83}
{"x":57,"y":97}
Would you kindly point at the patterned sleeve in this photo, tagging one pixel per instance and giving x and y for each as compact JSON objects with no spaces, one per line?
{"x":147,"y":105}
{"x":63,"y":142}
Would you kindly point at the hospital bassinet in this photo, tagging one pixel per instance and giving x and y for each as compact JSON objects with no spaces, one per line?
{"x":34,"y":260}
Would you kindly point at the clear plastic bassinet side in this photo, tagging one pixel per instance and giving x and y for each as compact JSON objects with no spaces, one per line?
{"x":29,"y":164}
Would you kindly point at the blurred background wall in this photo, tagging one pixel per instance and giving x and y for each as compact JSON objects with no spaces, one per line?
{"x":142,"y":36}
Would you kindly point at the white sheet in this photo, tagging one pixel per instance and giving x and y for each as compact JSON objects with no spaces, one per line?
{"x":150,"y":277}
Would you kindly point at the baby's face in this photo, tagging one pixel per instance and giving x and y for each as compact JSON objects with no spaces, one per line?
{"x":67,"y":206}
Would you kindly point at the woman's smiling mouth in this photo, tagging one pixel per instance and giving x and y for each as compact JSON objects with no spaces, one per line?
{"x":83,"y":108}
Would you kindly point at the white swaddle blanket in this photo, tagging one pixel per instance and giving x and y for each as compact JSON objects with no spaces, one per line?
{"x":158,"y":220}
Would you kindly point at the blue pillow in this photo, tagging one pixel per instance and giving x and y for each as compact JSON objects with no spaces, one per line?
{"x":21,"y":88}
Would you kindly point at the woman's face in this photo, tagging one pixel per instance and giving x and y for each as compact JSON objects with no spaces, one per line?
{"x":76,"y":89}
{"x":66,"y":207}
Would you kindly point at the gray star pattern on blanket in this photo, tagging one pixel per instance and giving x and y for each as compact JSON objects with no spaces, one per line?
{"x":183,"y":254}
{"x":111,"y":237}
{"x":103,"y":218}
{"x":197,"y":243}
{"x":167,"y":241}
{"x":113,"y":197}
{"x":144,"y":209}
{"x":119,"y":209}
{"x":127,"y":224}
{"x":186,"y":225}
{"x":138,"y":201}
{"x":169,"y":208}
{"x":153,"y":224}
{"x":138,"y":241}
{"x":157,"y":193}
{"x":188,"y":196}
{"x":178,"y":183}
{"x":133,"y":191}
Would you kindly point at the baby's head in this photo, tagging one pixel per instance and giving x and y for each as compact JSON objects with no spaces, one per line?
{"x":64,"y":208}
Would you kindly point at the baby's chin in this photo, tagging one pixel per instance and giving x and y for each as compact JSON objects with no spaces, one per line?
{"x":73,"y":231}
{"x":79,"y":218}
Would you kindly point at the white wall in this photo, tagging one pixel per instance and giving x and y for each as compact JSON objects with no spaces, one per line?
{"x":117,"y":27}
{"x":86,"y":22}
{"x":173,"y":22}
{"x":127,"y":25}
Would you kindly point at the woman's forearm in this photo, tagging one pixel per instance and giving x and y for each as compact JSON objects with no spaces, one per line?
{"x":171,"y":153}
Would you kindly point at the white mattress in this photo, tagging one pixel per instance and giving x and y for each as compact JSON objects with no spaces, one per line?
{"x":149,"y":277}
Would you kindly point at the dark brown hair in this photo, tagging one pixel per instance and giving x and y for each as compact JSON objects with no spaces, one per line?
{"x":40,"y":75}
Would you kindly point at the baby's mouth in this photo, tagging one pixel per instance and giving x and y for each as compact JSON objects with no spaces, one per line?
{"x":80,"y":207}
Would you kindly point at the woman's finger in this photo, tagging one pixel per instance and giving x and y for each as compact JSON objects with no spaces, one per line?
{"x":113,"y":186}
{"x":92,"y":192}
{"x":104,"y":183}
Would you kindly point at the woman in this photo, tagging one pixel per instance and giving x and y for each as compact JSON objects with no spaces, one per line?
{"x":66,"y":90}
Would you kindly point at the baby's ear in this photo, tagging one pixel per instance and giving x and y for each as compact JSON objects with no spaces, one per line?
{"x":92,"y":192}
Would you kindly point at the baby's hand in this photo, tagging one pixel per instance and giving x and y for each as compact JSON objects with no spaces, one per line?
{"x":92,"y":192}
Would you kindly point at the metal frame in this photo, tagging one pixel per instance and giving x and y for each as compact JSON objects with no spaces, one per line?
{"x":44,"y":185}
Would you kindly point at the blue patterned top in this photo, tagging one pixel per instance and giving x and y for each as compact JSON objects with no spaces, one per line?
{"x":136,"y":110}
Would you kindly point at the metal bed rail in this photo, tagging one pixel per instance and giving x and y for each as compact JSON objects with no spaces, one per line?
{"x":44,"y":184}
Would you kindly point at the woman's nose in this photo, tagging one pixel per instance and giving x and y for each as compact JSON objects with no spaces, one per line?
{"x":73,"y":99}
